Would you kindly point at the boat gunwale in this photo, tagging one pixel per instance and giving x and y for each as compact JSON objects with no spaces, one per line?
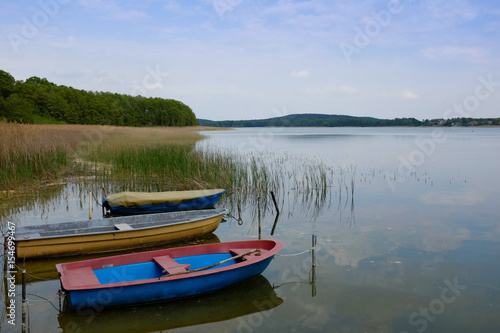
{"x":220,"y":211}
{"x":268,"y":253}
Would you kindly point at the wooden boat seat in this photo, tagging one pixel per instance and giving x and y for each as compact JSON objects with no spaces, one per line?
{"x":237,"y":252}
{"x":170,"y":266}
{"x":82,"y":276}
{"x":123,"y":226}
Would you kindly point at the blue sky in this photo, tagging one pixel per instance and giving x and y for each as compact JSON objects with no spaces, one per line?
{"x":250,"y":59}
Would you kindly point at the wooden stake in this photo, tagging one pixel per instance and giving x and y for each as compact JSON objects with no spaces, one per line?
{"x":274,"y":225}
{"x":103,"y":196}
{"x":258,"y":208}
{"x":90,"y":206}
{"x":275,"y":204}
{"x":313,"y":248}
{"x":23,"y":293}
{"x":313,"y":269}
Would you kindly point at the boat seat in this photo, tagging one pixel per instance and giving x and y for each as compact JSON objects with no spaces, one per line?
{"x":237,"y":252}
{"x":82,"y":276}
{"x":170,"y":266}
{"x":123,"y":226}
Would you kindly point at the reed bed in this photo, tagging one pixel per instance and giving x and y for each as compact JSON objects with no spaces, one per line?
{"x":33,"y":154}
{"x":164,"y":159}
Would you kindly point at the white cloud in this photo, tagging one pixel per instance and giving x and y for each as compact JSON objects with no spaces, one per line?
{"x":449,"y":198}
{"x":472,"y":54}
{"x":262,"y":53}
{"x":410,"y":94}
{"x":155,"y":85}
{"x":302,"y":73}
{"x":459,"y":10}
{"x":330,"y":89}
{"x":112,"y":9}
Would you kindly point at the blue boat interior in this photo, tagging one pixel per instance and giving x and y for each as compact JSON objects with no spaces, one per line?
{"x":151,"y":269}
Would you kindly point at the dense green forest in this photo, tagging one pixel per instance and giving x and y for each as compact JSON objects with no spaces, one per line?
{"x":39,"y":101}
{"x":325,"y":120}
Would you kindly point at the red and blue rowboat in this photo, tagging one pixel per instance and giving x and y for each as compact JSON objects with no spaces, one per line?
{"x":163,"y":274}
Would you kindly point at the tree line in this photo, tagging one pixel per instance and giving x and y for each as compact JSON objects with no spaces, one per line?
{"x":37,"y":100}
{"x":324,"y":120}
{"x":313,"y":120}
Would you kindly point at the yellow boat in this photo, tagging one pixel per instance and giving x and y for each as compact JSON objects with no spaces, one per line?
{"x":112,"y":234}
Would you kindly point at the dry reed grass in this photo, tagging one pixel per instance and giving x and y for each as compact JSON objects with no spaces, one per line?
{"x":30,"y":153}
{"x":127,"y":137}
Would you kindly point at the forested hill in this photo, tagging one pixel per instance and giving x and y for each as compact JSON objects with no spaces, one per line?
{"x":313,"y":119}
{"x":37,"y":100}
{"x":327,"y":120}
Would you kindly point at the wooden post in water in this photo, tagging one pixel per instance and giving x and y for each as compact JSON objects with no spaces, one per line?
{"x":258,"y":209}
{"x":274,"y":224}
{"x":238,"y":204}
{"x":90,"y":206}
{"x":275,"y":204}
{"x":313,"y":248}
{"x":5,"y":256}
{"x":103,"y":196}
{"x":23,"y":296}
{"x":313,"y":268}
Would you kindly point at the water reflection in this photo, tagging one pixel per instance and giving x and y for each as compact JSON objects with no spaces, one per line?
{"x":81,"y":200}
{"x":248,"y":297}
{"x":386,"y":248}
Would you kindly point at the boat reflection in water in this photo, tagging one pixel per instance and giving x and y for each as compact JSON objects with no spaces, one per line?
{"x":250,"y":296}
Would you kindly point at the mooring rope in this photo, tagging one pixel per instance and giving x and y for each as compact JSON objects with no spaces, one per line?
{"x":296,"y":254}
{"x":43,"y":301}
{"x":36,"y":277}
{"x":96,"y":201}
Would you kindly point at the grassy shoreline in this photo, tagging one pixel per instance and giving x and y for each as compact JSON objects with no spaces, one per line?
{"x":115,"y":159}
{"x":31,"y":155}
{"x":158,"y":159}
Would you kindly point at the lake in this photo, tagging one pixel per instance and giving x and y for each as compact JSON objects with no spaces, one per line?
{"x":407,"y":227}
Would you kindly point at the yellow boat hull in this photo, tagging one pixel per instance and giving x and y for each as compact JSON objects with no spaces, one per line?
{"x":120,"y":240}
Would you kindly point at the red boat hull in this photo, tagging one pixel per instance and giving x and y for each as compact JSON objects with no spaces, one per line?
{"x":164,"y":274}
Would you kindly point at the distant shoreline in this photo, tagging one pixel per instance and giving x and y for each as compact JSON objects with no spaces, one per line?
{"x":325,"y":120}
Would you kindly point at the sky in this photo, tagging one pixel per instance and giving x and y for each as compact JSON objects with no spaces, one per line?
{"x":254,"y":59}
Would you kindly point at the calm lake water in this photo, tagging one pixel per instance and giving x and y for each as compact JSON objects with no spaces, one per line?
{"x":407,"y":230}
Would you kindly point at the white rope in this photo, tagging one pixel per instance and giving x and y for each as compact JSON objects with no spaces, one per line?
{"x":295,"y":254}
